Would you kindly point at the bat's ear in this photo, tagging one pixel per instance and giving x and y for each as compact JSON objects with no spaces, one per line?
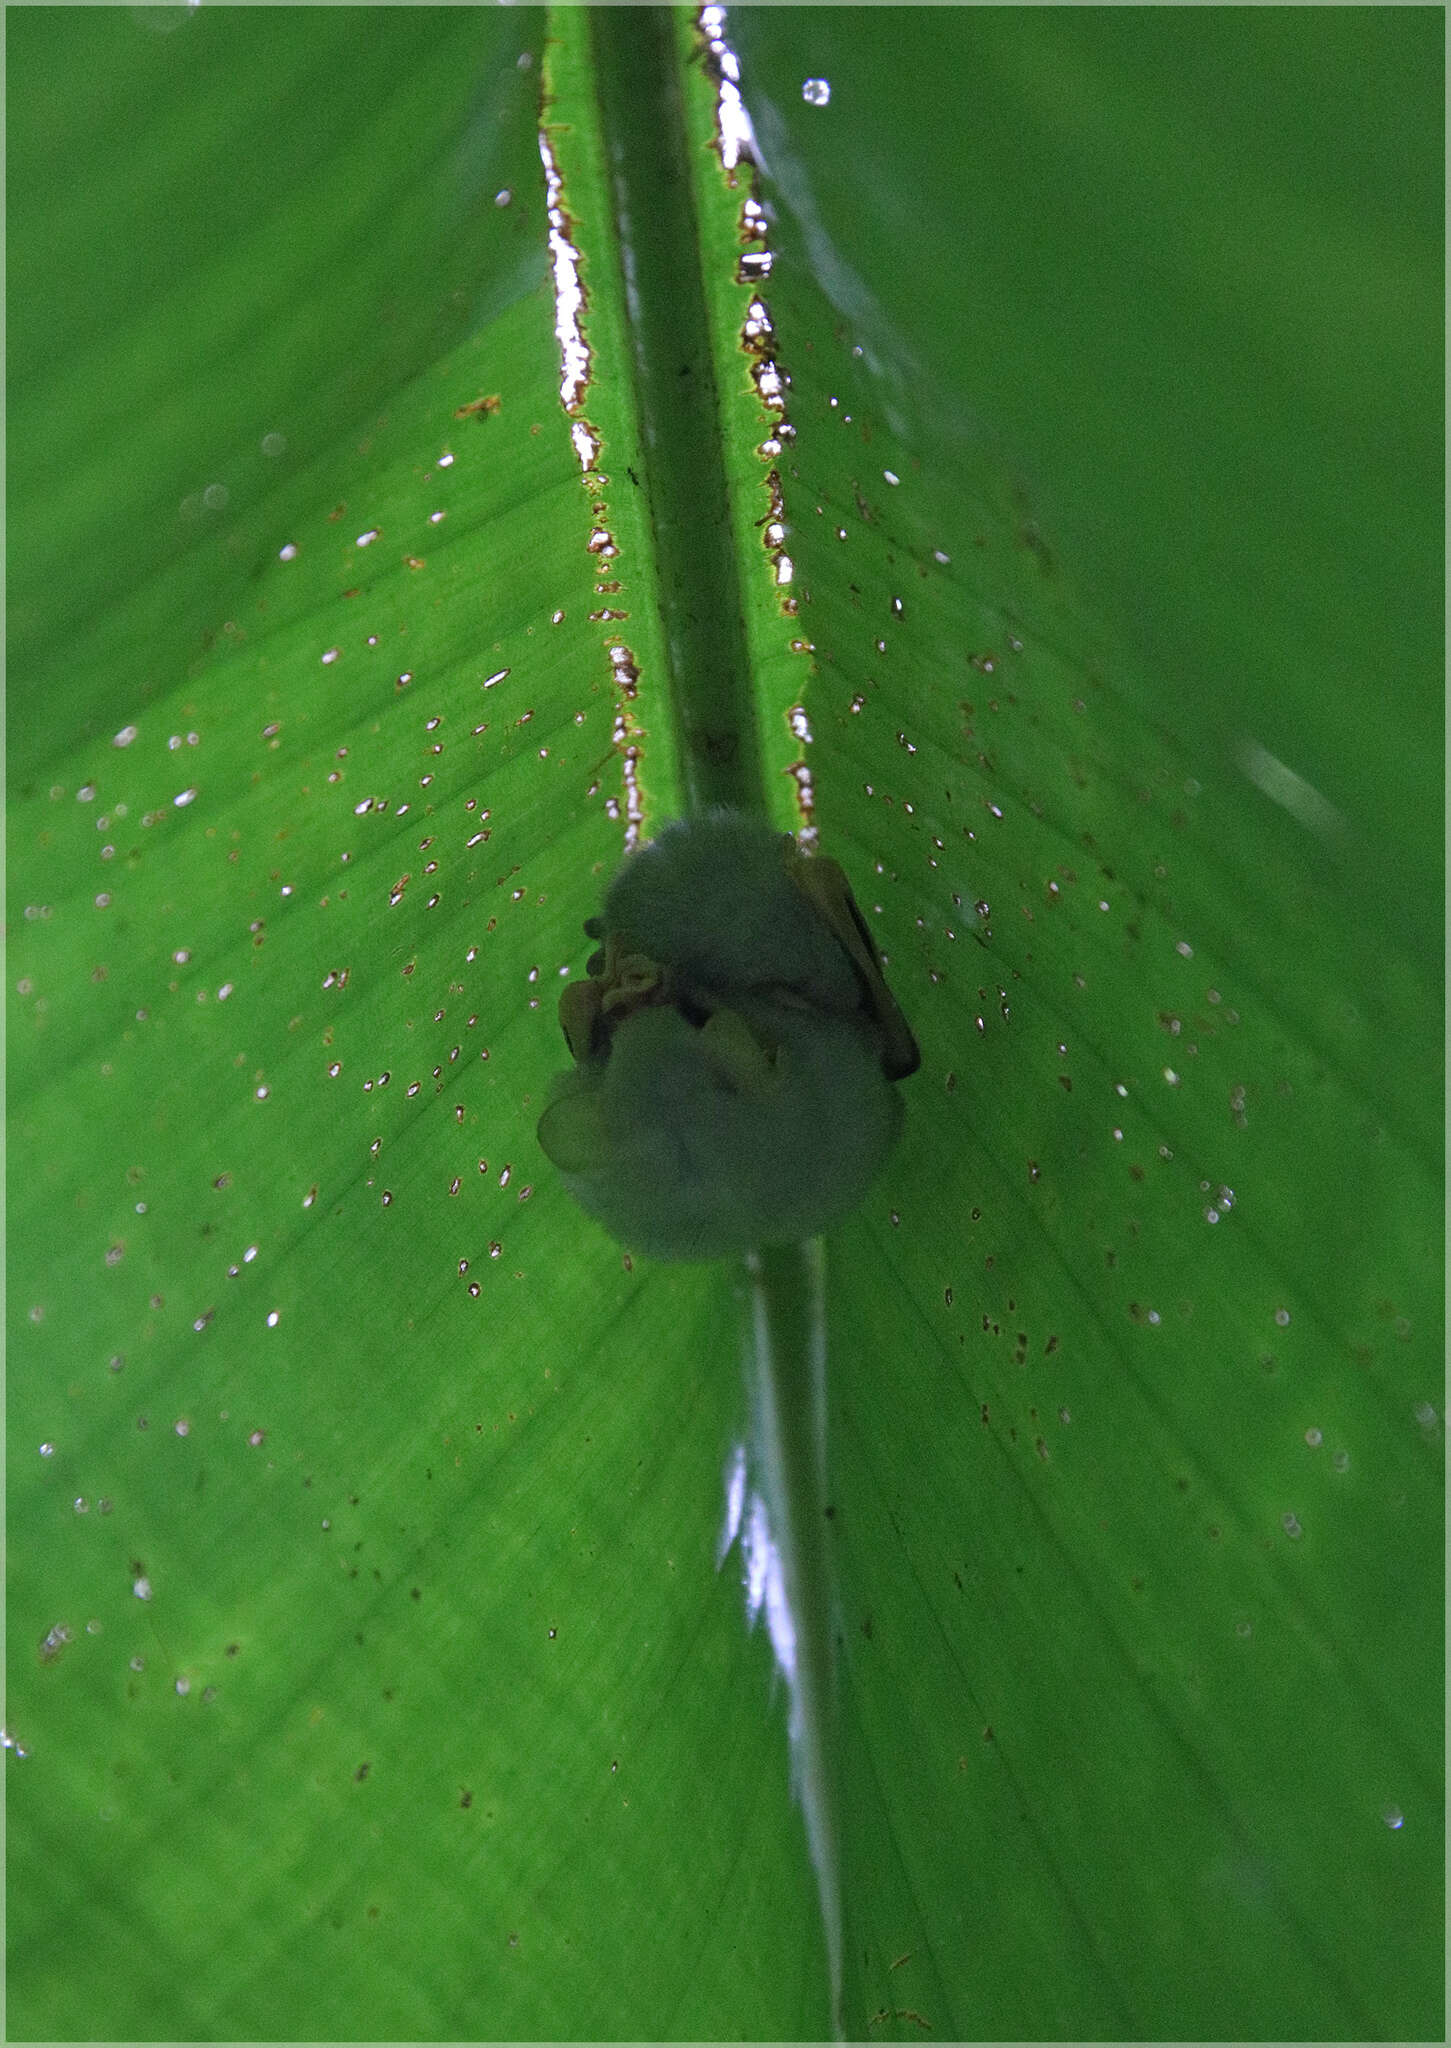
{"x":827,"y":890}
{"x":580,"y":1004}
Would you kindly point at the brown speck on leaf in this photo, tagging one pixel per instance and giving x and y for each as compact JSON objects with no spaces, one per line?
{"x":479,"y":408}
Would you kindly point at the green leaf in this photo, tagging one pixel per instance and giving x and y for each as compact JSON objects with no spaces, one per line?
{"x":373,"y":1669}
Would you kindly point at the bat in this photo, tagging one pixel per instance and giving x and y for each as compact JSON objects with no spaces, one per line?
{"x":734,"y":1047}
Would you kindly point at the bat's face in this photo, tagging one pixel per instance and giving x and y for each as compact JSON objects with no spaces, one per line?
{"x":734,"y":1044}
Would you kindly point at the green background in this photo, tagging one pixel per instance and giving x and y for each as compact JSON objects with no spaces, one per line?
{"x":1185,"y":278}
{"x":370,"y":1670}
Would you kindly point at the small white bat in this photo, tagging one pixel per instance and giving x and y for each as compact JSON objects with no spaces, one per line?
{"x":735,"y":1046}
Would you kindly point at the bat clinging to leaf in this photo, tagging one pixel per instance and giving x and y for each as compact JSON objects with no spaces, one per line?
{"x":735,"y":1047}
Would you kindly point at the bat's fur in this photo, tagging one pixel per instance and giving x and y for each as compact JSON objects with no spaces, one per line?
{"x":734,"y":1094}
